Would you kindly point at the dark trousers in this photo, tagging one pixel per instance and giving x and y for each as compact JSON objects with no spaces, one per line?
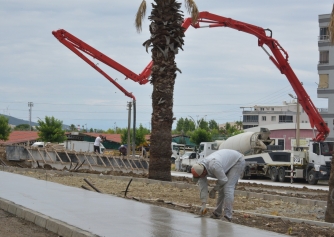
{"x":97,"y":149}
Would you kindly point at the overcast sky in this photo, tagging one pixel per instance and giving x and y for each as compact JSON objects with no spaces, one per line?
{"x":222,"y":69}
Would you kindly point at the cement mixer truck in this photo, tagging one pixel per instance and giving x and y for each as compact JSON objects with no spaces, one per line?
{"x":265,"y":159}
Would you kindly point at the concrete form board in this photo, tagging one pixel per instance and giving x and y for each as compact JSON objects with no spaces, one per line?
{"x":106,"y":215}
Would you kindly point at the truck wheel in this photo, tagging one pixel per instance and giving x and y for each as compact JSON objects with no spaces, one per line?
{"x":188,"y":169}
{"x":281,"y":175}
{"x":311,"y":177}
{"x":245,"y":173}
{"x":273,"y":174}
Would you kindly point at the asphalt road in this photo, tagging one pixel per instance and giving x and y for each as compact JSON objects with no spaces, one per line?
{"x":323,"y":185}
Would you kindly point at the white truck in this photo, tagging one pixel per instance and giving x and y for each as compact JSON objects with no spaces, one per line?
{"x":264,"y":158}
{"x":80,"y":146}
{"x":177,"y":151}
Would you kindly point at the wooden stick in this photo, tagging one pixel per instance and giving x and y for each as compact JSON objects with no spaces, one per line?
{"x":80,"y":165}
{"x":92,"y":186}
{"x":84,"y":187}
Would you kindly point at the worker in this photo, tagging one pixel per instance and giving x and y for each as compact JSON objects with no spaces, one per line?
{"x":123,"y":150}
{"x":97,"y":143}
{"x":226,"y":166}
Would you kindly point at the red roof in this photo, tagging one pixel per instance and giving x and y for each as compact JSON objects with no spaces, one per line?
{"x":20,"y":136}
{"x":110,"y":137}
{"x":24,"y":136}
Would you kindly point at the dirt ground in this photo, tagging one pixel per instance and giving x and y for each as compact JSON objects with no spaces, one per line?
{"x":187,"y":200}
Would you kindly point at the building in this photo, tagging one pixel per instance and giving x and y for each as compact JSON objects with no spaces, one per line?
{"x":326,"y":73}
{"x":281,"y":120}
{"x":264,"y":115}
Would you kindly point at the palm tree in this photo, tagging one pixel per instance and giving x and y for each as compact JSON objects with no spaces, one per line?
{"x":166,"y":38}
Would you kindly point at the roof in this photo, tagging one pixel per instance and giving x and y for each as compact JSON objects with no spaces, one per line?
{"x":110,"y":137}
{"x":20,"y":136}
{"x":25,"y":136}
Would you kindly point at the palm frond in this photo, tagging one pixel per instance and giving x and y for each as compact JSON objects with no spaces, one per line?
{"x":331,"y":27}
{"x":192,"y":10}
{"x":140,"y":16}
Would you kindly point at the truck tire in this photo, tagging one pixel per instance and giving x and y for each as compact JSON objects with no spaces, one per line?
{"x":281,"y":174}
{"x":245,"y":173}
{"x":311,"y":177}
{"x":188,"y":169}
{"x":274,"y":174}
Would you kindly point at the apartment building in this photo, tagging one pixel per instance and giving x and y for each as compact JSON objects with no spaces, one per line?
{"x":326,"y":73}
{"x":281,"y":120}
{"x":263,"y":115}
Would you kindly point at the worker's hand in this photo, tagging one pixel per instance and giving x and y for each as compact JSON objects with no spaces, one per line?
{"x":212,"y":193}
{"x":203,"y":210}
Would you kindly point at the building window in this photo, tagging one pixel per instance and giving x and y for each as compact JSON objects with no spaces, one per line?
{"x":324,"y":34}
{"x":323,"y":81}
{"x":264,"y":118}
{"x":280,"y":142}
{"x":324,"y":57}
{"x":248,"y":126}
{"x":251,"y":118}
{"x":273,"y":118}
{"x":272,"y":109}
{"x":285,"y":119}
{"x":262,"y":109}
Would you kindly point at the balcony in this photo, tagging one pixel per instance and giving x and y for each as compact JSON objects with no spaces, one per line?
{"x":323,"y":38}
{"x":322,"y":110}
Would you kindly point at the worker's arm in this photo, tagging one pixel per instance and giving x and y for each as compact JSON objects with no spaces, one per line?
{"x":203,"y":187}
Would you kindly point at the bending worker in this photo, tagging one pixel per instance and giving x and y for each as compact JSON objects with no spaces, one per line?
{"x":226,"y":166}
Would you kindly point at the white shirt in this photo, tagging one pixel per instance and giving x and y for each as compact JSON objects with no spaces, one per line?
{"x":97,"y":141}
{"x":217,"y":165}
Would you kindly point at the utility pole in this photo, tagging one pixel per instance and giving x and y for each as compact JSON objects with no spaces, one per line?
{"x":129,"y":127}
{"x":297,"y":121}
{"x":30,"y":105}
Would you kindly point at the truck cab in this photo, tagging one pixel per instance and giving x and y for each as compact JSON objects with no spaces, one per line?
{"x":177,"y":151}
{"x":206,"y":148}
{"x":320,"y":159}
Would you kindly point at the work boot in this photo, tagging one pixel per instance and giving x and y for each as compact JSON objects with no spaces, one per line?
{"x":214,"y":216}
{"x":228,"y":219}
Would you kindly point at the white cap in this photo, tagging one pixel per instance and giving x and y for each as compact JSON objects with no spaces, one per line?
{"x":197,"y":170}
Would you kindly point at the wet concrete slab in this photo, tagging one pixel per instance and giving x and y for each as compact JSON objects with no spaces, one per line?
{"x":106,"y":215}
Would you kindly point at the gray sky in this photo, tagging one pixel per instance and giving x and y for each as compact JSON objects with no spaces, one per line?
{"x":222,"y":69}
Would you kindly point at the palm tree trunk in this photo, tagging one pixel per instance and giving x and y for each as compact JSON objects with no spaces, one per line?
{"x":329,"y":215}
{"x":166,"y":37}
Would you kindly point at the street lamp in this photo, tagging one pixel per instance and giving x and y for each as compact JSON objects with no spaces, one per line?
{"x":196,"y":124}
{"x":297,"y":120}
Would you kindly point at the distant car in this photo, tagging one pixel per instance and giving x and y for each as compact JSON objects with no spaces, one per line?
{"x":189,"y":155}
{"x":188,"y":160}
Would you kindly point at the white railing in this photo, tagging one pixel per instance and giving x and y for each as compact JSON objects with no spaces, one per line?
{"x":323,"y":38}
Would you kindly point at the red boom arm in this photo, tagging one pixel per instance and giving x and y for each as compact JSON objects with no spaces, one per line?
{"x":279,"y":58}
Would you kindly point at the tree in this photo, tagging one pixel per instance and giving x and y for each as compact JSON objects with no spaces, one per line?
{"x":140,"y":135}
{"x":200,"y":135}
{"x":166,"y":38}
{"x":203,"y":124}
{"x":213,"y":124}
{"x":180,"y":125}
{"x":22,"y":127}
{"x":4,"y":128}
{"x":73,"y":128}
{"x":51,"y":130}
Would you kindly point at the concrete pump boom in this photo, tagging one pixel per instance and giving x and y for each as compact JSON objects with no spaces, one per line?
{"x":279,"y":58}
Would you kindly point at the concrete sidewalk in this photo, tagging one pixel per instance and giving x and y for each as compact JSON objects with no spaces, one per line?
{"x":76,"y":212}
